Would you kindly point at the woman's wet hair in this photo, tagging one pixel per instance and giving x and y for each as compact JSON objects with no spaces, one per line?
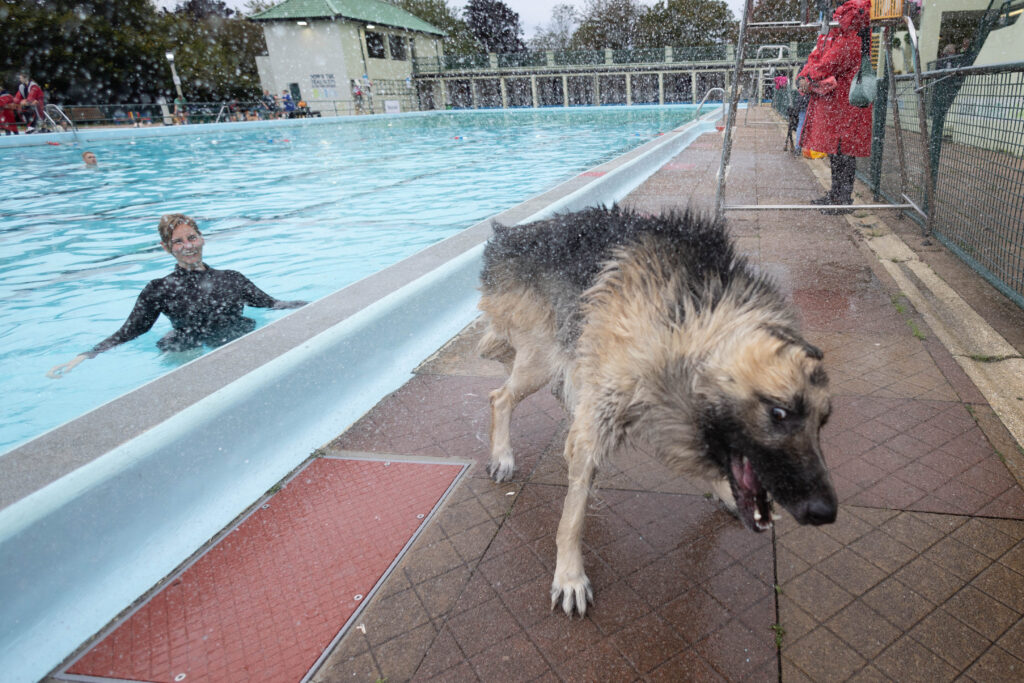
{"x":169,"y":221}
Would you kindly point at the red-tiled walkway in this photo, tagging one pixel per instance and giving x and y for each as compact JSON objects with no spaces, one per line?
{"x":266,"y":600}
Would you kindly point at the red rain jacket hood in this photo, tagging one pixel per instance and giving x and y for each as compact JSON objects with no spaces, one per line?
{"x":853,"y":15}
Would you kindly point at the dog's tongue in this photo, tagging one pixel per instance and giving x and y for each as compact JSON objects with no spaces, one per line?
{"x":743,"y":471}
{"x":753,"y":499}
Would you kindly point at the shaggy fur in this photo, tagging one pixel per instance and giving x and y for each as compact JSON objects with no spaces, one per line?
{"x":654,"y":327}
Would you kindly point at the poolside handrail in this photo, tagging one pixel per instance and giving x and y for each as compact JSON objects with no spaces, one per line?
{"x":60,"y":112}
{"x":704,"y":99}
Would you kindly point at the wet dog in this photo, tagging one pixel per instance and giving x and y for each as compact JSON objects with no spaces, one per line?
{"x":654,"y":327}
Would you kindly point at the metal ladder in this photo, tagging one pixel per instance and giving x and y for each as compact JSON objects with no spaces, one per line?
{"x":759,"y":88}
{"x":52,"y":110}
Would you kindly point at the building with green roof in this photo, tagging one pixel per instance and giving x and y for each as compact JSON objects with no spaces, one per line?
{"x":317,"y":49}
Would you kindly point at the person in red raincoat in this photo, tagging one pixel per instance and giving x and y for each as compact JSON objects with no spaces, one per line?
{"x":31,"y":99}
{"x":8,"y":121}
{"x":833,"y":125}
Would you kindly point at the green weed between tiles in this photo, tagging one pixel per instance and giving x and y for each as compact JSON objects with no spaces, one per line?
{"x":779,"y":633}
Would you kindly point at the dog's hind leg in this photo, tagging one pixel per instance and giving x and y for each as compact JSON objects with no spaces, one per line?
{"x":529,"y":373}
{"x":571,"y":585}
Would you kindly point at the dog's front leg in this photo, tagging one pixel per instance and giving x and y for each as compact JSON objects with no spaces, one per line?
{"x":571,"y":584}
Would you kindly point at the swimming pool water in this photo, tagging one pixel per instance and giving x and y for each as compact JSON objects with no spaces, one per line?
{"x":302,"y":211}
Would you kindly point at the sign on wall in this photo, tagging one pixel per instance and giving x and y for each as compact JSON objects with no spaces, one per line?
{"x":392,"y":107}
{"x":324,"y":87}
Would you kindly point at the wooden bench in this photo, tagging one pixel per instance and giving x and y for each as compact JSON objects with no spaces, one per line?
{"x":86,"y":114}
{"x":302,"y":113}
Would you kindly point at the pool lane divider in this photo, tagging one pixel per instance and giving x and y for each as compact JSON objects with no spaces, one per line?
{"x":82,"y":543}
{"x":284,"y":584}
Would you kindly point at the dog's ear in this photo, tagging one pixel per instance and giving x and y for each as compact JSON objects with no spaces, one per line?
{"x":790,"y":336}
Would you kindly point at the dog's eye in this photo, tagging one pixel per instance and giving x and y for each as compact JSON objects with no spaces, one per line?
{"x":779,"y":414}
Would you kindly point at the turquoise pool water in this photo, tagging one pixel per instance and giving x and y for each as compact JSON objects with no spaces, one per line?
{"x":302,"y":211}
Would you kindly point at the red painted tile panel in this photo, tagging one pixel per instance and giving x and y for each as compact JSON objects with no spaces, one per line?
{"x":250,"y":609}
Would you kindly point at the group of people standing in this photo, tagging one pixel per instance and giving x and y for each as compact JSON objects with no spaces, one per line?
{"x":26,"y":103}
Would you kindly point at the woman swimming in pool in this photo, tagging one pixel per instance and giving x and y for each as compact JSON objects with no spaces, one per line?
{"x":204,"y":305}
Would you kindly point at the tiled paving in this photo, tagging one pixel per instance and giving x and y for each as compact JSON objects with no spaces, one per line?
{"x":921,"y":578}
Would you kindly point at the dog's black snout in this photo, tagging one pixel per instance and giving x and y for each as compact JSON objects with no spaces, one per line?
{"x":818,"y":510}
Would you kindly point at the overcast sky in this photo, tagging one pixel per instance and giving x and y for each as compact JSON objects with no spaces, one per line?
{"x":532,"y":13}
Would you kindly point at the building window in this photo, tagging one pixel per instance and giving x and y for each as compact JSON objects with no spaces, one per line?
{"x":397,"y":45}
{"x":374,"y":45}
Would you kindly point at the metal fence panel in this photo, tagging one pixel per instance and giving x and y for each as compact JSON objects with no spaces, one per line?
{"x":975,"y":142}
{"x":979,"y":199}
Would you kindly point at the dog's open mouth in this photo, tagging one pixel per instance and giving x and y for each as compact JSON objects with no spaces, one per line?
{"x":753,"y":505}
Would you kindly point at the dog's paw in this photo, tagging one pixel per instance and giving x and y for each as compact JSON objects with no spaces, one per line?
{"x":721,"y":489}
{"x":574,"y":594}
{"x":501,"y":470}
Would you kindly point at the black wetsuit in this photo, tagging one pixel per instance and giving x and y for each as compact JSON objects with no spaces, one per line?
{"x":205,"y":307}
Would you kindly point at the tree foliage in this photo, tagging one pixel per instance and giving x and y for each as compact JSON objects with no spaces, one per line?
{"x":112,"y":51}
{"x":782,"y":10}
{"x":608,"y":24}
{"x":75,"y":50}
{"x":686,"y":23}
{"x":495,"y":25}
{"x":557,"y":34}
{"x":201,"y":9}
{"x":215,"y":55}
{"x":627,"y":24}
{"x":459,"y":39}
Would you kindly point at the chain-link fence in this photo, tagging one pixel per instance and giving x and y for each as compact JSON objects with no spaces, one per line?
{"x":975,"y":151}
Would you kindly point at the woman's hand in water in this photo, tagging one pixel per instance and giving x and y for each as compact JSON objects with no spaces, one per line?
{"x":58,"y":371}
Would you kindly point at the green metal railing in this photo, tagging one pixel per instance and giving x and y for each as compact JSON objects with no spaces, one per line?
{"x":975,"y":143}
{"x":639,"y":56}
{"x":578,"y":57}
{"x":519,"y":59}
{"x":704,"y":53}
{"x":539,"y":58}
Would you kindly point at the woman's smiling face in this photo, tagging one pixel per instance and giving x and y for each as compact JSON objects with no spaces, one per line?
{"x":186,"y":246}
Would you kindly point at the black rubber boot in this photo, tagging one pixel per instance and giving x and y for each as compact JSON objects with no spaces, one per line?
{"x":843,"y":173}
{"x":843,"y":169}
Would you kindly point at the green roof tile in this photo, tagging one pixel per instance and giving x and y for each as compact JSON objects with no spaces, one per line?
{"x":370,"y":11}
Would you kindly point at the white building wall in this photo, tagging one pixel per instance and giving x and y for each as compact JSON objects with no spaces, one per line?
{"x":312,"y":56}
{"x":931,"y":22}
{"x":325,"y":56}
{"x":266,"y":72}
{"x":1003,"y":45}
